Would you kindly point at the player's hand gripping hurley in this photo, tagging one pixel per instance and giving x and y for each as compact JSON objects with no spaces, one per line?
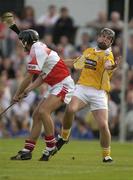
{"x":9,"y":20}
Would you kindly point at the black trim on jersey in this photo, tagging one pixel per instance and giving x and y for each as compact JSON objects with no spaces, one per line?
{"x":90,"y":63}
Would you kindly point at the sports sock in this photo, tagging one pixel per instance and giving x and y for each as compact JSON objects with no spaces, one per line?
{"x":106,"y":152}
{"x":65,"y":133}
{"x":50,"y":142}
{"x":29,"y":145}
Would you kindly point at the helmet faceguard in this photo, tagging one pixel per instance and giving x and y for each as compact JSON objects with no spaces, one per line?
{"x":28,"y":37}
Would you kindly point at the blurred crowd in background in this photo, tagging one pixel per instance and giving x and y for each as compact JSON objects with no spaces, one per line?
{"x":57,"y":29}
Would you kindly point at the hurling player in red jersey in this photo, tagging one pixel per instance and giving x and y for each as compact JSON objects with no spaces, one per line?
{"x":52,"y":70}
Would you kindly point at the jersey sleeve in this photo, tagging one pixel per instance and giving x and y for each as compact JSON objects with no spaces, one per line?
{"x":38,"y":57}
{"x":85,"y":52}
{"x":109,"y":57}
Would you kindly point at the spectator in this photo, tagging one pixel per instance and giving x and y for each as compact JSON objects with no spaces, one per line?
{"x":130,"y":51}
{"x":18,"y":57}
{"x":3,"y":131}
{"x":130,"y":84}
{"x":100,"y":22}
{"x":4,"y":40}
{"x":129,"y":100}
{"x":68,"y":49}
{"x":116,"y":89}
{"x":16,"y":129}
{"x":81,"y":131}
{"x":5,"y":97}
{"x":64,"y":26}
{"x":115,"y":22}
{"x":116,"y":51}
{"x":28,"y":18}
{"x":48,"y":39}
{"x":4,"y":103}
{"x":119,"y":43}
{"x":49,"y":19}
{"x":85,"y":42}
{"x":14,"y":83}
{"x":129,"y":125}
{"x":8,"y":68}
{"x":129,"y":115}
{"x":113,"y":118}
{"x":2,"y":30}
{"x":131,"y":23}
{"x":20,"y":114}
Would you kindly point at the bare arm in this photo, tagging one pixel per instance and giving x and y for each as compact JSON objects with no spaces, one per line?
{"x":27,"y":80}
{"x":77,"y":63}
{"x":34,"y":84}
{"x":110,"y":66}
{"x":69,"y":62}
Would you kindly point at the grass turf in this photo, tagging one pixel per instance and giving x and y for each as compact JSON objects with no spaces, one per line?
{"x":78,"y":160}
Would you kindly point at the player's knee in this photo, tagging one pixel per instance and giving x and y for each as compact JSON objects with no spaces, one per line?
{"x":103,"y":126}
{"x":71,"y":109}
{"x":43,"y":111}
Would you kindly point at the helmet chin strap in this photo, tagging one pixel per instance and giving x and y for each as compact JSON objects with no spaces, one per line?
{"x":24,"y":46}
{"x":24,"y":43}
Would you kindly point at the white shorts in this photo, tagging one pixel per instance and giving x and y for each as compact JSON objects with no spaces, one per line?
{"x":96,"y":99}
{"x":63,"y":89}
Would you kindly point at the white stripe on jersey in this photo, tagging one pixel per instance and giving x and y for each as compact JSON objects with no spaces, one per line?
{"x":44,"y":61}
{"x":40,"y":53}
{"x":51,"y":61}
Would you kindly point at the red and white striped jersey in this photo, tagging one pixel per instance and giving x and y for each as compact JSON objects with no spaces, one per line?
{"x":46,"y":61}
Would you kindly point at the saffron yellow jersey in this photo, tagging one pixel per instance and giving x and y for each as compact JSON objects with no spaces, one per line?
{"x":94,"y":73}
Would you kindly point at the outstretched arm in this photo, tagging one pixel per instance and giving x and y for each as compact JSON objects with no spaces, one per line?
{"x":110,"y":66}
{"x":77,"y":63}
{"x":69,"y":62}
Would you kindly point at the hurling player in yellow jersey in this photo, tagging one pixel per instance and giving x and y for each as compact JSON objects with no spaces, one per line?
{"x":91,"y":90}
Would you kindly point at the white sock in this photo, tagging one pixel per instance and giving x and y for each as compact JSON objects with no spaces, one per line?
{"x":50,"y":149}
{"x":25,"y":150}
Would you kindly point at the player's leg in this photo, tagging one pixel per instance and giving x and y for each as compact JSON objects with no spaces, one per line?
{"x":46,"y":108}
{"x":36,"y":126}
{"x":30,"y":142}
{"x":75,"y":105}
{"x":77,"y":102}
{"x":101,"y":116}
{"x":99,"y":108}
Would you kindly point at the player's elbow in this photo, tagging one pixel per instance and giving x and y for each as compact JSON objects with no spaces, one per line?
{"x":69,"y":63}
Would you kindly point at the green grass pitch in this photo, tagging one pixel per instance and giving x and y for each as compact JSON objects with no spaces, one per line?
{"x":86,"y":164}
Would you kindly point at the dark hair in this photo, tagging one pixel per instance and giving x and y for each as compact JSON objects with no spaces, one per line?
{"x":63,"y":9}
